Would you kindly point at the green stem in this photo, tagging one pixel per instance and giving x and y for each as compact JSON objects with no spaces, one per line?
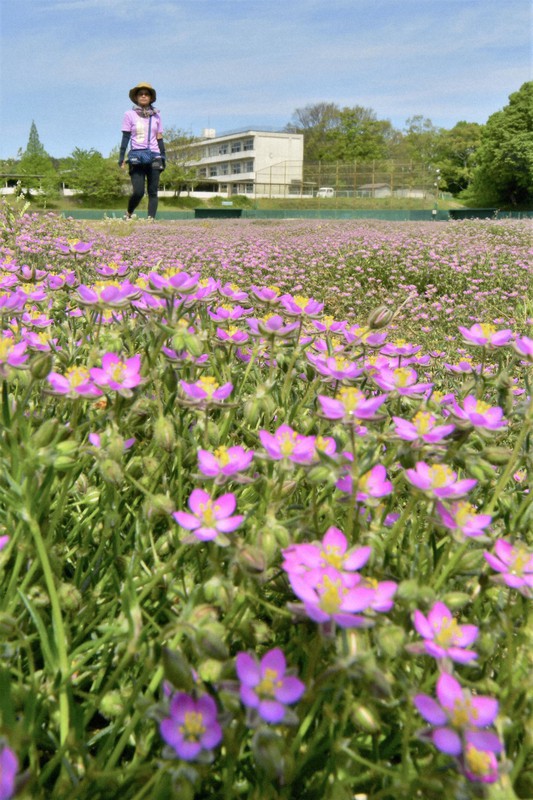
{"x":511,"y":464}
{"x":59,"y":630}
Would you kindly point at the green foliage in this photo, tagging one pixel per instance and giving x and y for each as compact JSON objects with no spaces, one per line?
{"x":98,"y":179}
{"x":456,"y":155}
{"x":504,"y":175}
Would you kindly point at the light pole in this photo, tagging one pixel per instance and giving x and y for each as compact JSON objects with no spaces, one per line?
{"x":436,"y":185}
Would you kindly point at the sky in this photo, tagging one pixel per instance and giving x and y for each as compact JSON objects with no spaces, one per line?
{"x":68,"y":65}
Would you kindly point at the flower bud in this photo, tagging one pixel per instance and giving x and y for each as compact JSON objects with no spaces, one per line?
{"x":212,"y":645}
{"x":252,"y":559}
{"x":456,"y":600}
{"x":70,"y":597}
{"x":251,"y":412}
{"x":45,"y":434}
{"x":158,"y":505}
{"x":193,"y":344}
{"x":365,"y":718}
{"x":177,"y":669}
{"x":497,"y":455}
{"x":41,"y":366}
{"x":63,"y":463}
{"x":210,"y":670}
{"x":111,"y":472}
{"x":391,"y":639}
{"x":165,"y":434}
{"x":380,"y":317}
{"x":112,"y":704}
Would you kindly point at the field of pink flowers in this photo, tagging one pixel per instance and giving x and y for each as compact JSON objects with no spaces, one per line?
{"x":265,"y":510}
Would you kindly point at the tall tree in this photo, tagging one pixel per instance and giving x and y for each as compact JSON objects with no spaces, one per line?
{"x":39,"y":178}
{"x":95,"y":177}
{"x":315,"y":121}
{"x":359,"y":135}
{"x":180,"y":171}
{"x":420,"y":140}
{"x":504,"y":174}
{"x":34,"y":146}
{"x":456,"y":154}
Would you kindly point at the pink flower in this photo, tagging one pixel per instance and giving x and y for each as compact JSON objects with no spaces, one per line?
{"x":479,"y":413}
{"x":265,"y":686}
{"x":107,"y":293}
{"x":271,"y":326}
{"x":226,"y":313}
{"x":486,"y":335}
{"x":224,"y":461}
{"x":422,"y":428}
{"x":443,"y":637}
{"x":116,"y":374}
{"x":438,"y":480}
{"x":266,"y":294}
{"x":233,"y":335}
{"x":333,"y":551}
{"x":350,"y":405}
{"x":287,"y":443}
{"x":524,"y":347}
{"x":3,"y":541}
{"x":8,"y":770}
{"x":192,"y":725}
{"x":11,"y":353}
{"x":515,"y":565}
{"x":373,"y":485}
{"x":336,"y":367}
{"x":206,"y":391}
{"x":76,"y":382}
{"x":461,"y":517}
{"x":232,"y":291}
{"x":299,"y":306}
{"x":326,"y":597}
{"x":209,"y":517}
{"x":402,"y":380}
{"x":173,"y":281}
{"x":456,"y":719}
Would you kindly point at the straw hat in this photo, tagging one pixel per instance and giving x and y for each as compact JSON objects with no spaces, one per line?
{"x":133,"y":92}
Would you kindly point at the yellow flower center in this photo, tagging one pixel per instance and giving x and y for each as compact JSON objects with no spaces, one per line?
{"x":487,"y":329}
{"x":268,"y":684}
{"x":482,"y":407}
{"x":288,"y":442}
{"x":171,"y":272}
{"x":331,"y":597}
{"x":274,"y":289}
{"x":441,"y":475}
{"x":321,"y":443}
{"x":76,"y":376}
{"x":464,"y":511}
{"x":448,"y":632}
{"x":520,"y":557}
{"x":208,"y":384}
{"x":332,"y":555}
{"x":193,"y":727}
{"x":207,"y":510}
{"x":350,"y":398}
{"x":423,"y":421}
{"x":99,"y":286}
{"x":117,"y":371}
{"x":402,"y":376}
{"x":462,"y":713}
{"x":300,"y":301}
{"x":6,"y":346}
{"x":341,"y":363}
{"x":221,"y":455}
{"x":478,"y":762}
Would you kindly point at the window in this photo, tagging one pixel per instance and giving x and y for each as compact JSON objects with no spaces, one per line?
{"x":223,"y":149}
{"x":236,"y":147}
{"x":202,"y":172}
{"x":212,"y":172}
{"x":236,"y":167}
{"x":224,"y":169}
{"x":248,"y":166}
{"x":248,"y":144}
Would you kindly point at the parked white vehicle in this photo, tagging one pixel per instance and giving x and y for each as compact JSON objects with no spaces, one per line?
{"x":325,"y":191}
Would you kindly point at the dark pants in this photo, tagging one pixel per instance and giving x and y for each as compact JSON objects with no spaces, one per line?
{"x":138,"y":175}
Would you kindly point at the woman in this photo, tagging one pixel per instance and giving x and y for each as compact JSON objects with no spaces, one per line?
{"x":143,"y":130}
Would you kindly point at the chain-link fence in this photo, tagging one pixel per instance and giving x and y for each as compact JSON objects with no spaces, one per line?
{"x":374,"y":179}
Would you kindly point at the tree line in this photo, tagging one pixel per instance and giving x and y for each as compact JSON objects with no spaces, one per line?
{"x":489,"y":164}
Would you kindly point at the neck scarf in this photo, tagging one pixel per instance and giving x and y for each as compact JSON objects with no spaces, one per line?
{"x":149,"y":111}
